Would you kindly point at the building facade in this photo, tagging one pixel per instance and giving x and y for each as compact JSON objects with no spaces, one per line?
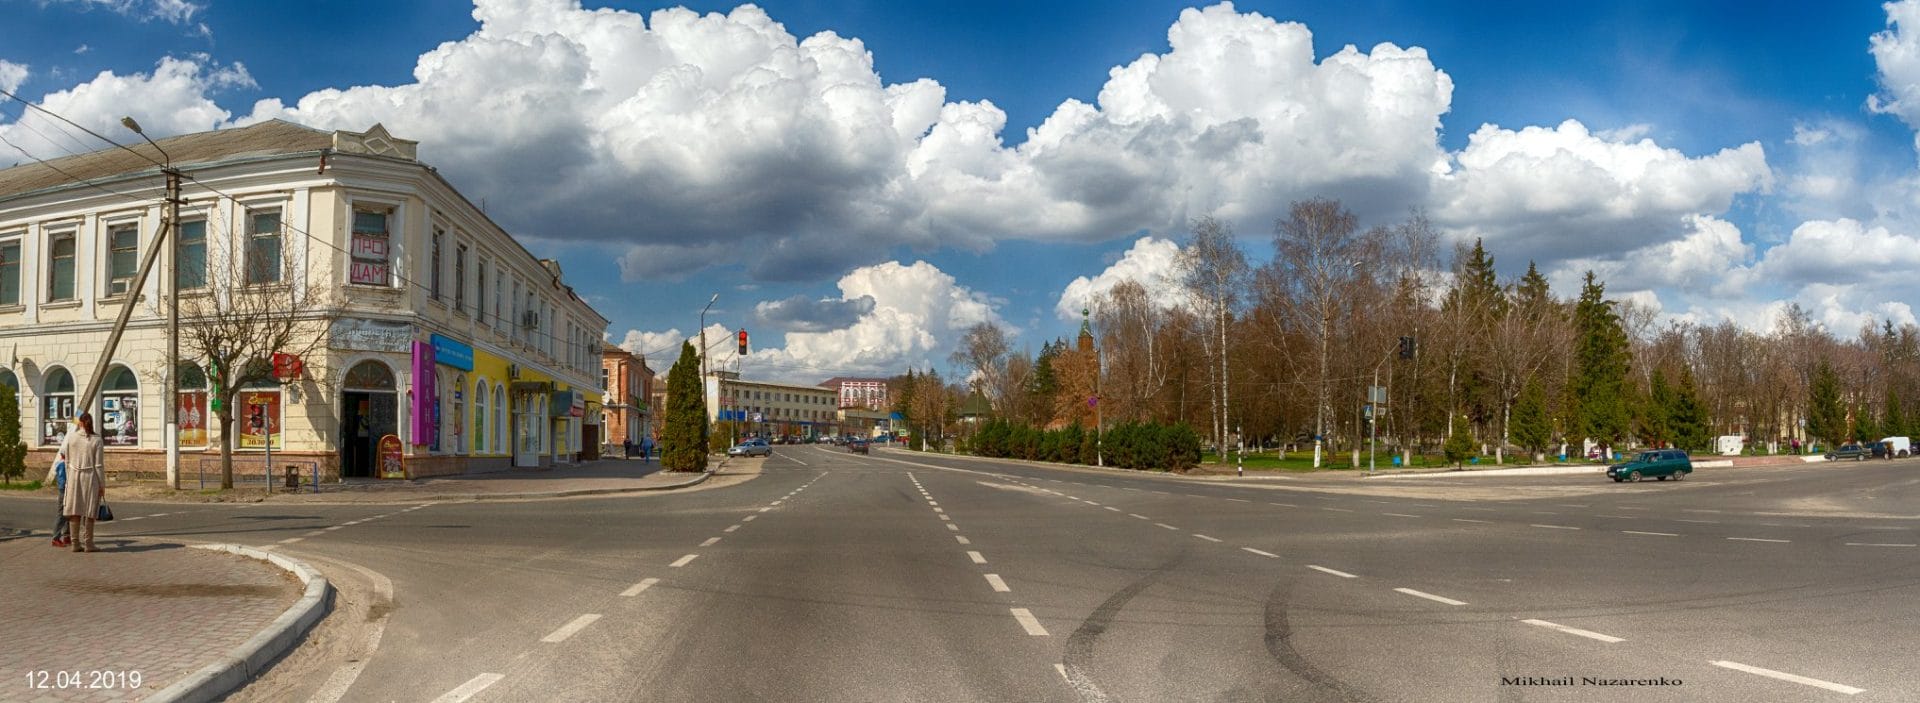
{"x":419,"y":316}
{"x":769,"y":409}
{"x":627,"y":385}
{"x":865,"y":393}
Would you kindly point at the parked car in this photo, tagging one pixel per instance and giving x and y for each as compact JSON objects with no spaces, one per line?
{"x":857,"y":445}
{"x":1901,"y":447}
{"x":751,"y":447}
{"x":1850,"y":451}
{"x":1659,"y":463}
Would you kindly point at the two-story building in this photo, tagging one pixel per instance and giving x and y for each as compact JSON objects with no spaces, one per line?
{"x":770,"y":409}
{"x":423,"y":318}
{"x":627,"y":383}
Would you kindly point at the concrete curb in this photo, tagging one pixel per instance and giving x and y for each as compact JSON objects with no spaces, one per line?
{"x":697,"y":480}
{"x":252,"y":657}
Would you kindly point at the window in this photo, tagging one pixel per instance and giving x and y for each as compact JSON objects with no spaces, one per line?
{"x":10,"y":273}
{"x":56,"y":405}
{"x":459,"y":418}
{"x":191,"y":270}
{"x":460,"y":278}
{"x":123,"y":258}
{"x":263,"y":247}
{"x":370,"y":253}
{"x":500,"y":418}
{"x":192,"y":404}
{"x":480,"y":435}
{"x":604,"y":380}
{"x":497,"y":295}
{"x":120,"y":409}
{"x":433,"y":267}
{"x":60,"y":272}
{"x":369,"y":376}
{"x":480,"y":292}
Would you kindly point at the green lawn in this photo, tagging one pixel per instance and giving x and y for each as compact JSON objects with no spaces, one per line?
{"x":28,"y":486}
{"x":1340,"y":461}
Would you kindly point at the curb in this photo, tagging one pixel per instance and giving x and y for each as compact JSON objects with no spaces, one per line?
{"x":702,"y":478}
{"x":252,"y":657}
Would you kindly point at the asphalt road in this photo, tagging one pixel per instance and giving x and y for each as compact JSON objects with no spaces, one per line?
{"x":906,"y":577}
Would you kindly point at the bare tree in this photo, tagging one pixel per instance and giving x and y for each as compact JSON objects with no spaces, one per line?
{"x":1130,"y":326}
{"x":1212,"y":269}
{"x":983,"y":351}
{"x":258,"y":299}
{"x":1316,"y":256}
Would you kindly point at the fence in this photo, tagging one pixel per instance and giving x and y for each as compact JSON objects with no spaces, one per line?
{"x":306,"y":474}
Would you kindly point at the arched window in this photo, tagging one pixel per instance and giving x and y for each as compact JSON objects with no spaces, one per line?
{"x":369,"y":376}
{"x":480,"y":417}
{"x":56,"y":406}
{"x":120,"y":408}
{"x":500,"y":419}
{"x":193,"y":405}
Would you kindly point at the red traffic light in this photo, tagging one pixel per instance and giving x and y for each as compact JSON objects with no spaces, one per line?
{"x":743,"y":341}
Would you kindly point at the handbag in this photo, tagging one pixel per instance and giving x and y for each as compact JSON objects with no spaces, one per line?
{"x":104,"y":514}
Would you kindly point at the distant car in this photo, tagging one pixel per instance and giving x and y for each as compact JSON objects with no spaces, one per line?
{"x":751,"y":447}
{"x":1850,"y":451}
{"x":1658,"y":463}
{"x":857,"y":445}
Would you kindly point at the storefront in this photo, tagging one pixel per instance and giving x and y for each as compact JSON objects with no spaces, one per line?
{"x":567,"y":408}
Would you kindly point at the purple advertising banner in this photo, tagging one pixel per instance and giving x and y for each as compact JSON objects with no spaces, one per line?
{"x":425,"y":423}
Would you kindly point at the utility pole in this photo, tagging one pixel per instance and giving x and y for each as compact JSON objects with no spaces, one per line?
{"x":172,"y":407}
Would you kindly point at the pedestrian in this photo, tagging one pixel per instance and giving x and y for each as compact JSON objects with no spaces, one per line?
{"x":646,"y":449}
{"x":57,"y":477}
{"x":627,"y":444}
{"x":86,"y":483}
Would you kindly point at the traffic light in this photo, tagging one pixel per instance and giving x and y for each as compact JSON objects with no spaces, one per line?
{"x":743,"y":342}
{"x":1406,"y":347}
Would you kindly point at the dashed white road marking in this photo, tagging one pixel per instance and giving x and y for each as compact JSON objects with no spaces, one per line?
{"x":1209,"y":539}
{"x":1338,"y":510}
{"x":765,"y":509}
{"x":1757,"y":539}
{"x":732,"y":528}
{"x":998,"y":584}
{"x":1619,"y":517}
{"x":1589,"y":634}
{"x":963,"y":539}
{"x":335,"y":527}
{"x":1556,"y":527}
{"x":944,"y":516}
{"x":1784,"y":676}
{"x":1240,"y":500}
{"x":1028,"y":622}
{"x":314,"y":533}
{"x":976,"y":557}
{"x":932,"y":502}
{"x":1165,"y":525}
{"x":1483,"y":522}
{"x":683,"y":561}
{"x":1114,"y":509}
{"x":1325,"y":570}
{"x":568,"y":630}
{"x":748,"y":518}
{"x":1284,"y":505}
{"x":1429,"y":596}
{"x":469,"y":689}
{"x":939,"y":510}
{"x":1137,"y":515}
{"x":1270,"y":555}
{"x":1400,"y":515}
{"x":1655,"y":534}
{"x":635,"y":589}
{"x":1702,"y":522}
{"x":131,"y":519}
{"x":710,"y":541}
{"x":1880,"y":544}
{"x":291,"y":540}
{"x":951,"y":526}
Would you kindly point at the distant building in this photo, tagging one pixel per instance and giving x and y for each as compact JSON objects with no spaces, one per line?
{"x":867,"y":393}
{"x":771,"y":409}
{"x":628,"y":384}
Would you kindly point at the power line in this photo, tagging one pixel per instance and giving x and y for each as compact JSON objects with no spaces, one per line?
{"x":81,"y":127}
{"x":63,"y":172}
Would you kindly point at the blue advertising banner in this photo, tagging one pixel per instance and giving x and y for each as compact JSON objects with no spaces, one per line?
{"x":452,"y":352}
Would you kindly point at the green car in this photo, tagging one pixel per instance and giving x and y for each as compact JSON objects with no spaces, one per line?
{"x":1659,"y":463}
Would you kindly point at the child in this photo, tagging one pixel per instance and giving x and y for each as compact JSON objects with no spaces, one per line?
{"x":57,"y":475}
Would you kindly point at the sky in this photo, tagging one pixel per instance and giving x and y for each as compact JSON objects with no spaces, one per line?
{"x":862,"y":181}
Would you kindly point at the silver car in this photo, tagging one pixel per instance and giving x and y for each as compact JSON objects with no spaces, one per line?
{"x":751,"y":447}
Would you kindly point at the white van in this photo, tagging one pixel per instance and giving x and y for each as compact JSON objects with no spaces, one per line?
{"x":1901,"y":446}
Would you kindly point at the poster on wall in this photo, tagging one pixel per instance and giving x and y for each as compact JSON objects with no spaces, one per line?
{"x":58,"y":411}
{"x":120,"y":420}
{"x":259,"y":419}
{"x":193,"y":418}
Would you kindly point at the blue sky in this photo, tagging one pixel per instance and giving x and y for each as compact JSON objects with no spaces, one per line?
{"x":1746,"y":127}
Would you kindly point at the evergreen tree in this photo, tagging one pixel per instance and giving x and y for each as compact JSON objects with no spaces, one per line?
{"x":1533,"y":297}
{"x":13,"y":453}
{"x":1530,"y":428}
{"x":1893,"y":422}
{"x":1826,"y":416}
{"x":1478,"y":301}
{"x":1864,"y":429}
{"x":1654,"y":424}
{"x":905,"y":390}
{"x":683,"y":439}
{"x":1687,"y":417}
{"x":1597,"y":392}
{"x":1459,"y":446}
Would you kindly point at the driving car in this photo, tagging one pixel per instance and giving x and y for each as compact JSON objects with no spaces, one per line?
{"x":1657,"y":463}
{"x":857,"y":445}
{"x":751,"y":447}
{"x":1850,"y":451}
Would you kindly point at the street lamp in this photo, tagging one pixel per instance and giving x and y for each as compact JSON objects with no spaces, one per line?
{"x":172,"y":402}
{"x":703,"y":354}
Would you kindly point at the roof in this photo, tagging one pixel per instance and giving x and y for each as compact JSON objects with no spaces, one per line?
{"x":270,"y":138}
{"x":837,"y":380}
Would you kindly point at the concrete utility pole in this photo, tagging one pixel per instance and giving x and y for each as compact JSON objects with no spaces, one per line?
{"x":171,"y":407}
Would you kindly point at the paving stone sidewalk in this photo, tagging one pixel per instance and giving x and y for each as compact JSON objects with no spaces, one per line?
{"x":600,"y":476}
{"x":156,"y":608}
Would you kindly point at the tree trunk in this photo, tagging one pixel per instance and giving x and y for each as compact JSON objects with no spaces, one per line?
{"x":226,"y":449}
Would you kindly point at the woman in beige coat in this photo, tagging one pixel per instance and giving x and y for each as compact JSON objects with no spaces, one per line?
{"x":86,"y":482}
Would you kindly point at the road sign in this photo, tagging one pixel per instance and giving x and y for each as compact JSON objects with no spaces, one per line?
{"x":1377,"y":395}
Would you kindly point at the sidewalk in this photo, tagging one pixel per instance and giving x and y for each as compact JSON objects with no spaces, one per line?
{"x":602,"y":476}
{"x":157,"y":609}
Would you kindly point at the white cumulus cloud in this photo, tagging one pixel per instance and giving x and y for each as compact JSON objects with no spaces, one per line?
{"x":12,"y":75}
{"x":174,"y":99}
{"x":1152,"y":262}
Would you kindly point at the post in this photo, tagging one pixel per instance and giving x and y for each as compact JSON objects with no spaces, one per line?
{"x":1373,"y":423}
{"x":266,"y":431}
{"x":172,"y":401}
{"x":1240,"y":443}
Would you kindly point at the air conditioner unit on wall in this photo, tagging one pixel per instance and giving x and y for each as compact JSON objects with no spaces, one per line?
{"x":530,"y":319}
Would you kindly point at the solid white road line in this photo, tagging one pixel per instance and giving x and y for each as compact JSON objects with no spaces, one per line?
{"x":1429,"y":596}
{"x":470,"y":689}
{"x":732,"y":528}
{"x":1325,"y":570}
{"x":291,"y":540}
{"x":1654,"y":534}
{"x":963,"y":539}
{"x":975,"y":556}
{"x":1400,"y":515}
{"x":1209,"y":539}
{"x":314,"y":533}
{"x":567,"y":630}
{"x":1784,"y":676}
{"x":683,"y":561}
{"x":635,"y":589}
{"x":1165,"y":525}
{"x":1483,"y":522}
{"x":335,"y":527}
{"x":796,"y":461}
{"x":1757,"y":539}
{"x":1261,"y":553}
{"x":1609,"y":639}
{"x":710,"y":541}
{"x":131,"y":519}
{"x":998,"y":584}
{"x":1880,"y":544}
{"x":1029,"y":623}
